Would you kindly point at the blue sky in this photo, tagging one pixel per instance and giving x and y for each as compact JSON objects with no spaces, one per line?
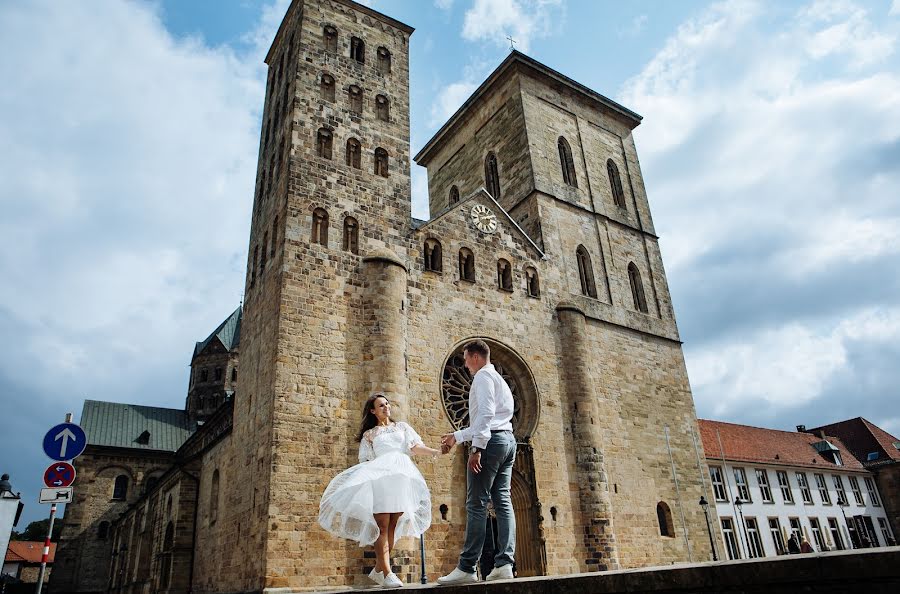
{"x":770,"y":149}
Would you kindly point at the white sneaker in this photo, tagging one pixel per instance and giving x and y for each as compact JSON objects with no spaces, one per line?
{"x":377,"y":577}
{"x":504,"y":572}
{"x":392,"y":581}
{"x":458,"y":576}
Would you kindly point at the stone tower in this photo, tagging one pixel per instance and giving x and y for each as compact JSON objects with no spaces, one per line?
{"x":214,"y":369}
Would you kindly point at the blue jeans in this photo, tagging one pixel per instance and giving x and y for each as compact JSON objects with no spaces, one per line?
{"x":491,"y":484}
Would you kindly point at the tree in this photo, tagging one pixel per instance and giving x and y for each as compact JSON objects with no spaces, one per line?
{"x":38,"y":531}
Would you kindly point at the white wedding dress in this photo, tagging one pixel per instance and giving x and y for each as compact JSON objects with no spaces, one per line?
{"x":385,"y":481}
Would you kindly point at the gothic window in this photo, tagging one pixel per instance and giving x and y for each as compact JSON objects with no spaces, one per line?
{"x":466,"y":265}
{"x":103,"y":531}
{"x":165,"y":566}
{"x":263,"y":257}
{"x":434,"y":259}
{"x":274,"y":235}
{"x":320,"y":227}
{"x":454,"y":195}
{"x":151,"y":481}
{"x":637,"y":288}
{"x":354,"y":149}
{"x":252,"y":271}
{"x":615,"y":183}
{"x":120,"y":488}
{"x":664,"y":517}
{"x":384,"y":61}
{"x":491,"y":176}
{"x":357,"y":49}
{"x":504,"y":275}
{"x":566,"y":162}
{"x":323,"y":143}
{"x":382,"y":108}
{"x":381,"y":162}
{"x":329,"y":35}
{"x":326,"y":87}
{"x":234,"y":374}
{"x":585,"y":272}
{"x":351,"y":235}
{"x":355,"y":95}
{"x":214,"y":497}
{"x":533,"y":283}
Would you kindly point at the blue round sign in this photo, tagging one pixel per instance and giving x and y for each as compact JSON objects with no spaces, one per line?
{"x":65,"y":441}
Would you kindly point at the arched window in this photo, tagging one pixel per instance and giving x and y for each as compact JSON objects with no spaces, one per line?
{"x":384,"y":61}
{"x":357,"y":49}
{"x":351,"y":235}
{"x":252,"y":275}
{"x":466,"y":265}
{"x":326,"y":87}
{"x":664,"y":517}
{"x":274,"y":236}
{"x":585,"y":272}
{"x":533,"y":285}
{"x":165,"y":566}
{"x":262,"y":266}
{"x":120,"y":488}
{"x":355,"y":96}
{"x":234,"y":374}
{"x":615,"y":183}
{"x":382,"y":108}
{"x":637,"y":288}
{"x":103,"y":531}
{"x":454,"y":195}
{"x":323,"y":143}
{"x":566,"y":162}
{"x":150,"y":482}
{"x":354,"y":150}
{"x":329,"y":35}
{"x":320,"y":227}
{"x":214,"y":497}
{"x":381,"y":162}
{"x":434,"y":259}
{"x":491,"y":176}
{"x":504,"y":275}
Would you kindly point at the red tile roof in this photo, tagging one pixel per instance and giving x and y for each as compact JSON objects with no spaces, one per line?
{"x":743,"y":443}
{"x":864,"y":437}
{"x":28,"y":551}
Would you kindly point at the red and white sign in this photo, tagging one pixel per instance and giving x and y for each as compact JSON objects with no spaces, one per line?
{"x":59,"y":475}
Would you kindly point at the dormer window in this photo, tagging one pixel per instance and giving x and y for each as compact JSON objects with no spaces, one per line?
{"x":143,"y":438}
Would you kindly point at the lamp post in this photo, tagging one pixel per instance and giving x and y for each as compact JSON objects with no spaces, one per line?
{"x":740,"y":504}
{"x":705,"y":505}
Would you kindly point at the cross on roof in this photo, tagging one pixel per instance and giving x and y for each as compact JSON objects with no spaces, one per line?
{"x":512,"y":43}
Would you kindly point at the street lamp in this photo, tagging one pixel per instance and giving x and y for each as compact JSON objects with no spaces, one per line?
{"x":705,"y":505}
{"x":740,"y":503}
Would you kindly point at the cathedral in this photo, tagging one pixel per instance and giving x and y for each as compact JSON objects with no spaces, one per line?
{"x":539,"y":241}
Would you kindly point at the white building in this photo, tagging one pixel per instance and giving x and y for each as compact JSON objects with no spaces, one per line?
{"x":768,"y":484}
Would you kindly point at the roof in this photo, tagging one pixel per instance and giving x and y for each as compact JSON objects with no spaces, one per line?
{"x":863,"y":438}
{"x":28,"y":551}
{"x":516,"y":57}
{"x":228,"y":332}
{"x":119,"y":425}
{"x":743,"y":443}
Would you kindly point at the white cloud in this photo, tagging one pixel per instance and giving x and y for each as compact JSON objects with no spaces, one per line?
{"x":448,"y":100}
{"x":523,"y":20}
{"x":443,"y":4}
{"x":895,"y":8}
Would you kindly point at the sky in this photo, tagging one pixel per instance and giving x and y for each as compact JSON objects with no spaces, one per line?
{"x":770,"y":149}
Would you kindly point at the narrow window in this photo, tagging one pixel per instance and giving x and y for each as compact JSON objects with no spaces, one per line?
{"x":357,"y":49}
{"x":762,"y":479}
{"x":253,"y":262}
{"x":103,"y":531}
{"x":835,"y":530}
{"x":466,"y":265}
{"x":857,"y":494}
{"x":754,"y":541}
{"x":818,"y":538}
{"x":382,"y":108}
{"x":320,"y":227}
{"x":839,"y":489}
{"x":566,"y":162}
{"x":585,"y":272}
{"x":326,"y":88}
{"x":274,"y":235}
{"x":120,"y":488}
{"x":214,"y":497}
{"x":354,"y":150}
{"x":434,"y":260}
{"x":454,"y":195}
{"x":330,"y":38}
{"x":533,"y":283}
{"x":234,"y":374}
{"x":381,"y":162}
{"x":218,"y":374}
{"x":351,"y":235}
{"x":777,"y":536}
{"x":263,"y":257}
{"x":615,"y":183}
{"x":715,"y":475}
{"x":637,"y":288}
{"x":740,"y":481}
{"x":384,"y":61}
{"x":785,"y":486}
{"x":873,"y":493}
{"x":165,"y":565}
{"x":504,"y":275}
{"x":323,"y":143}
{"x":355,"y":95}
{"x":804,"y":488}
{"x":491,"y":176}
{"x":664,"y":518}
{"x":822,"y":486}
{"x":728,"y":535}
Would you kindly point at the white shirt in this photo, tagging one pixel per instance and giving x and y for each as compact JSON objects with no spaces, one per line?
{"x":490,"y":408}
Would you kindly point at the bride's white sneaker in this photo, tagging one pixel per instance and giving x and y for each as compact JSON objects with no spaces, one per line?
{"x":377,"y":577}
{"x":458,"y":576}
{"x":504,"y":572}
{"x":392,"y":581}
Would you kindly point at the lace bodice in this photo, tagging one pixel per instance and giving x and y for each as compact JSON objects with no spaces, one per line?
{"x":378,"y":441}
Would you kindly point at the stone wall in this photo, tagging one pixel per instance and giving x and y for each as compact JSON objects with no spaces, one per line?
{"x":887,"y":479}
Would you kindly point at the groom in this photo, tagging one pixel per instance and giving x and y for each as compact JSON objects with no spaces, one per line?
{"x":489,"y":468}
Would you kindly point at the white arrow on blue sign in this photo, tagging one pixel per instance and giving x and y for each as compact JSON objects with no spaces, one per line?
{"x":65,"y":441}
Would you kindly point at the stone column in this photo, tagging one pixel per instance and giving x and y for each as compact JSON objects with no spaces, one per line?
{"x":599,"y":543}
{"x":384,"y":304}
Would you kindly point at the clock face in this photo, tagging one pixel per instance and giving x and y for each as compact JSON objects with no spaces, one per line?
{"x":483,"y":219}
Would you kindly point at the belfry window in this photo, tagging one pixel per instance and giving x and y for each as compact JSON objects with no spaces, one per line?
{"x":382,"y":108}
{"x":504,"y":275}
{"x":466,"y":265}
{"x":357,"y":49}
{"x":381,"y":162}
{"x":320,"y":227}
{"x":384,"y":61}
{"x":323,"y":143}
{"x":566,"y":162}
{"x":326,"y":87}
{"x":585,"y":272}
{"x":533,"y":285}
{"x":615,"y":182}
{"x":454,"y":196}
{"x":637,"y":288}
{"x":329,"y":36}
{"x":434,"y":259}
{"x":355,"y":95}
{"x":351,"y":235}
{"x":353,"y":153}
{"x":491,"y":176}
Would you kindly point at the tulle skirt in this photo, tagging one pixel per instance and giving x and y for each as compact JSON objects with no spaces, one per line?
{"x":390,"y":483}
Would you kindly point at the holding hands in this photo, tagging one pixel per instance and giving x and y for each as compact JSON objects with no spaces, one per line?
{"x":447,"y":443}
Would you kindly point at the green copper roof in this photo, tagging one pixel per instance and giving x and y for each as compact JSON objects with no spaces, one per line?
{"x":121,"y":425}
{"x":229,"y":332}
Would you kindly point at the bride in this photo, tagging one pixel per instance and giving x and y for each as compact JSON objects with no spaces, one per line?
{"x":384,"y":496}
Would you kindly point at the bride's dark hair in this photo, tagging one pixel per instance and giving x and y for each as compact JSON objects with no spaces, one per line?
{"x":369,"y":420}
